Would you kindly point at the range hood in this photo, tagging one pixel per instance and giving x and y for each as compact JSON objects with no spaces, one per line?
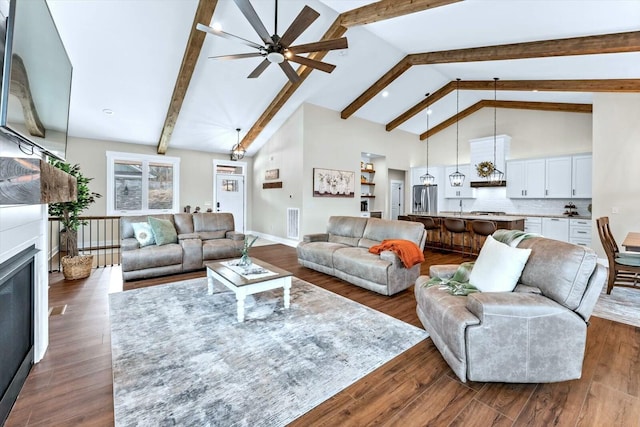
{"x":481,"y":150}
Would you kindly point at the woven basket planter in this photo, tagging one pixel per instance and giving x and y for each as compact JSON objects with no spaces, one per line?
{"x":78,"y":267}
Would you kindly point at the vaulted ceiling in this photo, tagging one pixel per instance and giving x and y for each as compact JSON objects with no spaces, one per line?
{"x":144,"y":62}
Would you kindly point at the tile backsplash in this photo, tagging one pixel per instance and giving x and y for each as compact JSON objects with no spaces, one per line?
{"x":495,"y":200}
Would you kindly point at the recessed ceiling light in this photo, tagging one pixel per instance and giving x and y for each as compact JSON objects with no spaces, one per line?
{"x":385,"y":93}
{"x":108,"y":111}
{"x":535,"y":90}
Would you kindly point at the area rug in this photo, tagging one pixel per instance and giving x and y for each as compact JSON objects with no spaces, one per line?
{"x":622,"y":305}
{"x":181,"y":358}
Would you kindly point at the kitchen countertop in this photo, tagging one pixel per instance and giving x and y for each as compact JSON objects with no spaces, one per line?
{"x":467,"y":215}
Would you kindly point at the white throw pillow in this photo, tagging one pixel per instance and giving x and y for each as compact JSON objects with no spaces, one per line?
{"x":143,"y":233}
{"x":498,"y":266}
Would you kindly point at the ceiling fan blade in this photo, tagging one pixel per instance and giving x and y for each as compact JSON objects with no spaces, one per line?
{"x":289,"y":71}
{"x":297,"y":27}
{"x":237,"y":56}
{"x":318,"y":65}
{"x":331,"y":44}
{"x":259,"y":69}
{"x":250,"y":13}
{"x":221,"y":33}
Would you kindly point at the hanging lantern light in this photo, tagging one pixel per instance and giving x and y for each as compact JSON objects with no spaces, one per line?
{"x":495,"y":177}
{"x":238,"y":151}
{"x":457,"y":179}
{"x":427,"y":179}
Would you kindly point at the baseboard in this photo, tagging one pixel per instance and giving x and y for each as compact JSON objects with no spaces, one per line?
{"x":288,"y":242}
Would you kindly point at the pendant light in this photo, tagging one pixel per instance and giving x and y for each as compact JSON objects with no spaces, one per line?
{"x":496,"y":177}
{"x":427,"y":179}
{"x":238,"y":151}
{"x":457,"y":179}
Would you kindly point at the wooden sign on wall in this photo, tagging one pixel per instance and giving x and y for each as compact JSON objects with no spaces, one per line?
{"x":272,"y":185}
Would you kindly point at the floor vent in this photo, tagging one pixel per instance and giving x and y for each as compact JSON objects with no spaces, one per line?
{"x":293,"y":223}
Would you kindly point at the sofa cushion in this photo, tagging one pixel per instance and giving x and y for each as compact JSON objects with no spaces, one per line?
{"x":220,"y":248}
{"x":143,"y":233}
{"x":359,"y":262}
{"x":560,"y":270}
{"x":319,"y":252}
{"x":378,"y":230}
{"x":164,"y":231}
{"x":217,"y":224}
{"x":346,"y":230}
{"x":151,"y":257}
{"x":184,"y":223}
{"x":498,"y":266}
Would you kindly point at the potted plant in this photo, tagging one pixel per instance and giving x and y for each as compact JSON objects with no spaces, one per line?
{"x":74,"y":265}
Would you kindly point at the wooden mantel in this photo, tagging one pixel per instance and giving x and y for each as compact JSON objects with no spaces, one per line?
{"x":27,"y":181}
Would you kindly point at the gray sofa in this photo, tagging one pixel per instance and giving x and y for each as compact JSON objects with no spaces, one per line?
{"x":201,"y":237}
{"x":537,"y":333}
{"x":343,"y":251}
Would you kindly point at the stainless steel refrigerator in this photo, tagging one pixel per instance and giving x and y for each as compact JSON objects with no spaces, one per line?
{"x":425,"y":198}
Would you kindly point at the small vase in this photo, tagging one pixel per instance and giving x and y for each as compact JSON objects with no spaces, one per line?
{"x":245,"y":260}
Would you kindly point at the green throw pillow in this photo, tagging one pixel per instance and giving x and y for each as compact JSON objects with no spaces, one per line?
{"x":163,"y":231}
{"x":143,"y":233}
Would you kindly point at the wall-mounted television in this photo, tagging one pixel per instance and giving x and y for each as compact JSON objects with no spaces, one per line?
{"x":36,"y":79}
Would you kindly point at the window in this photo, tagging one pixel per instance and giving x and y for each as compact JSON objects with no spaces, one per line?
{"x":139,"y":184}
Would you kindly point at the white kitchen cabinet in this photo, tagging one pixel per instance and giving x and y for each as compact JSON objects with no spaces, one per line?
{"x":526,"y":179}
{"x":580,"y":231}
{"x":556,"y":228}
{"x":558,"y":177}
{"x":581,"y":176}
{"x":464,"y":192}
{"x":533,"y":225}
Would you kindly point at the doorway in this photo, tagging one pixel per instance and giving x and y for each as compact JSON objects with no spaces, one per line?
{"x":229,"y":193}
{"x":397,"y":198}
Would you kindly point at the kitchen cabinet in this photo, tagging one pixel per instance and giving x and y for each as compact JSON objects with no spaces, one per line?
{"x":556,"y":228}
{"x":581,"y":176}
{"x":526,"y":179}
{"x":558,"y":177}
{"x":533,"y":225}
{"x":464,"y":192}
{"x":580,"y":231}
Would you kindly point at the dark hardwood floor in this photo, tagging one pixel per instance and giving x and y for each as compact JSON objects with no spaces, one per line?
{"x":72,"y":385}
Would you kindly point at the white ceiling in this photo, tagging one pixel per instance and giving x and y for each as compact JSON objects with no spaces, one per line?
{"x":126,"y":56}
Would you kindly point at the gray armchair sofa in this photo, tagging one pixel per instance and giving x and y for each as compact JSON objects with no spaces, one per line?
{"x":343,"y":251}
{"x":537,"y":333}
{"x":201,"y":237}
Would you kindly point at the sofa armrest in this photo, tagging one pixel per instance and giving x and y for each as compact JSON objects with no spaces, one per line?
{"x":129,"y":244}
{"x":234,"y":235}
{"x":318,"y":237}
{"x":187,"y":236}
{"x":443,"y":271}
{"x":512,"y":304}
{"x":393,"y":258}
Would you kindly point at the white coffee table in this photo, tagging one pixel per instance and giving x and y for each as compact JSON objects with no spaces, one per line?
{"x":243,"y":285}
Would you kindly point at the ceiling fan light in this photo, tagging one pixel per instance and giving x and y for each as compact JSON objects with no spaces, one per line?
{"x":275,"y":57}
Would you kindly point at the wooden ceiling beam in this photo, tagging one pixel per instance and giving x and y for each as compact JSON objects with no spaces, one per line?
{"x":616,"y":85}
{"x":588,"y":45}
{"x":519,"y":105}
{"x":387,"y":9}
{"x":204,"y":14}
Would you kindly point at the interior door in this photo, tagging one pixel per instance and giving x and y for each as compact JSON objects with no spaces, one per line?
{"x":230,"y":197}
{"x":397,"y":199}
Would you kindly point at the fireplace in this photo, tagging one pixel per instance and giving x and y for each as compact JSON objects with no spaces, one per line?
{"x":17,"y":287}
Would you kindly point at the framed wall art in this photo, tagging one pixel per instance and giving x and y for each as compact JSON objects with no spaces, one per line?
{"x":333,"y":183}
{"x":272,"y":174}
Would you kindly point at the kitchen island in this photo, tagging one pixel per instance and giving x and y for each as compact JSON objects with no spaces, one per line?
{"x":441,"y":238}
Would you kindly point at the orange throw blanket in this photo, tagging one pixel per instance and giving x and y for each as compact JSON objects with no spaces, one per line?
{"x":409,"y":253}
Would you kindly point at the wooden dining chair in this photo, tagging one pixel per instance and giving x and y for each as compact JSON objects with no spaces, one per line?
{"x":624,"y":268}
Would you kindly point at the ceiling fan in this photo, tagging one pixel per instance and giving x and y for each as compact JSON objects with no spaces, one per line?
{"x":277,"y":49}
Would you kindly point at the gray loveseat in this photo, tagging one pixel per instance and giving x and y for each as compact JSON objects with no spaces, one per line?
{"x":201,"y":237}
{"x":343,"y":251}
{"x":537,"y":333}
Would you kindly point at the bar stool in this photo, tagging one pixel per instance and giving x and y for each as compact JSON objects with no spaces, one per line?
{"x":433,"y":227}
{"x":481,"y":227}
{"x":456,"y":226}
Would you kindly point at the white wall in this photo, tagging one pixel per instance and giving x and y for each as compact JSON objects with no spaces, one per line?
{"x":616,"y":157}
